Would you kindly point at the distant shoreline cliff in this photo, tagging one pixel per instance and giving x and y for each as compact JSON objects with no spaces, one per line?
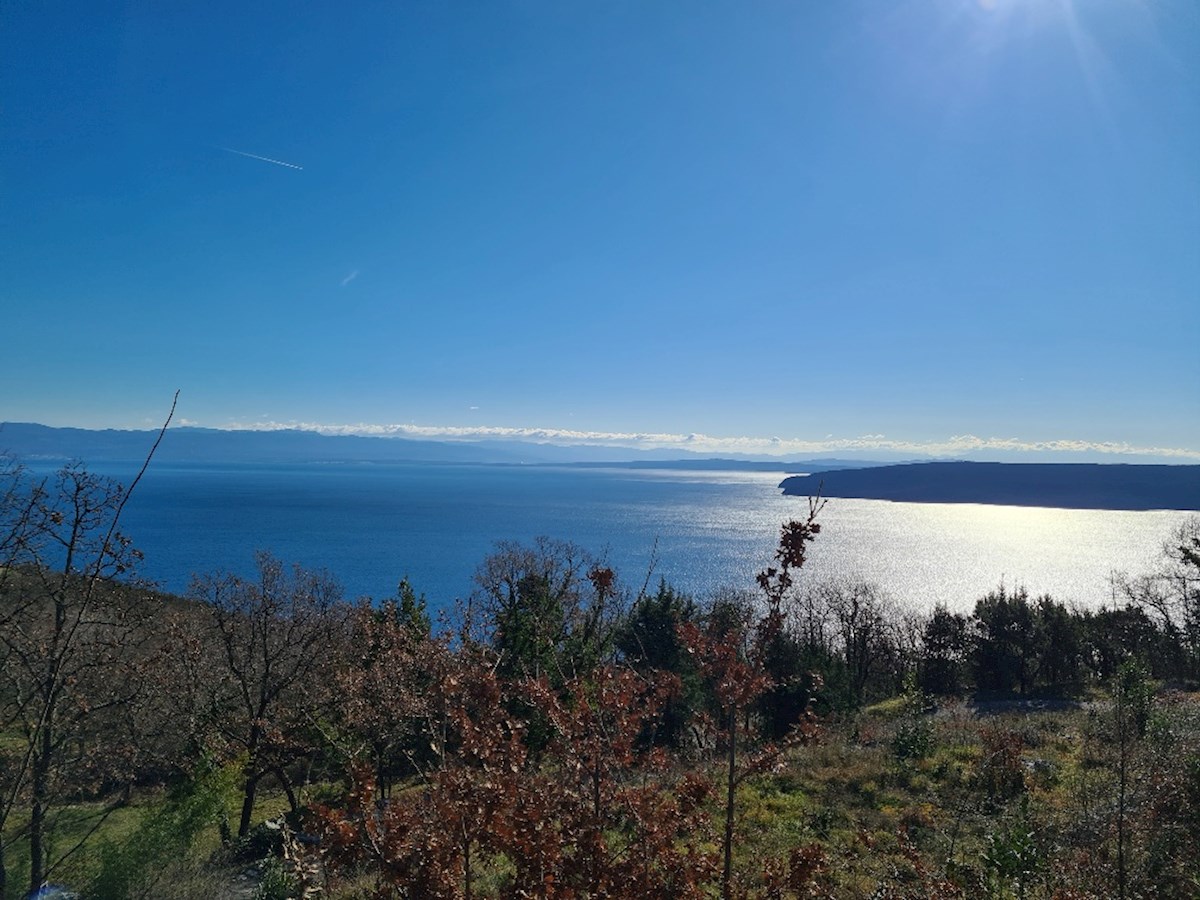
{"x":1064,"y":485}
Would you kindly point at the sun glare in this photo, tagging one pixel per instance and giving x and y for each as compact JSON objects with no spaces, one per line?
{"x":985,"y":34}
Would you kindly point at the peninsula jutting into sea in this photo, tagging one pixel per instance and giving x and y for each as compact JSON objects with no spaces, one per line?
{"x":1065,"y":485}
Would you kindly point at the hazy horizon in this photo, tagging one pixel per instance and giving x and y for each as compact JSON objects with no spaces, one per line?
{"x":661,"y":446}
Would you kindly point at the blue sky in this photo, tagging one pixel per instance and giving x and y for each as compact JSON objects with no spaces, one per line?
{"x":912,"y":225}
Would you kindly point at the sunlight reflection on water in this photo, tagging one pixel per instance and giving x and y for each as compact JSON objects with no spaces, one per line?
{"x":924,"y":554}
{"x":369,"y":525}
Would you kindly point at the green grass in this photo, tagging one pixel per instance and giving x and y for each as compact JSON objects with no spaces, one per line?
{"x":69,"y":824}
{"x":875,"y":814}
{"x":886,"y":709}
{"x":72,"y":822}
{"x":879,"y":819}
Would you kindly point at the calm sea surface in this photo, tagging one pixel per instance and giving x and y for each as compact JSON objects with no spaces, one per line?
{"x":369,"y":525}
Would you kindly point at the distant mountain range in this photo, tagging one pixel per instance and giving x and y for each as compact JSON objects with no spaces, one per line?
{"x":1069,"y":485}
{"x":1066,"y":485}
{"x":33,"y":442}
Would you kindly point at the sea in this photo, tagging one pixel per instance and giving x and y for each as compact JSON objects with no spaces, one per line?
{"x":370,"y":525}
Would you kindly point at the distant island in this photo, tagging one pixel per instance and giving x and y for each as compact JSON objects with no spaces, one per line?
{"x":1064,"y":485}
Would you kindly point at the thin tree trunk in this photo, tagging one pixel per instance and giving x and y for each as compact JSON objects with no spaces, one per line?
{"x":251,"y":785}
{"x":727,"y":874}
{"x":381,"y":786}
{"x":248,"y":793}
{"x":37,"y":814}
{"x":293,"y":803}
{"x":467,"y":868}
{"x":1121,"y":776}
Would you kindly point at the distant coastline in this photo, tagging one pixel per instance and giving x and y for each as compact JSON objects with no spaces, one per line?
{"x":1116,"y":486}
{"x":1063,"y":485}
{"x":32,"y":442}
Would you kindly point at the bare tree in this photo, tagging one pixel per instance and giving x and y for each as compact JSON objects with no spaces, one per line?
{"x":862,"y":618}
{"x":68,"y":644}
{"x":549,"y":609}
{"x":1171,"y":593}
{"x":273,"y":635}
{"x":386,"y":686}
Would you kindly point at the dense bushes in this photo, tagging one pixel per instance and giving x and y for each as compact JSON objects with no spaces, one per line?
{"x":1009,"y":645}
{"x":561,"y":736}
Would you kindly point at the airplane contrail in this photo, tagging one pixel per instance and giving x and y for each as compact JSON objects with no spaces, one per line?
{"x":278,"y":162}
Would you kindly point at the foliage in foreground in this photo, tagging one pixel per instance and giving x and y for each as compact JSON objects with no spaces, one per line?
{"x":1018,"y":803}
{"x":562,"y":738}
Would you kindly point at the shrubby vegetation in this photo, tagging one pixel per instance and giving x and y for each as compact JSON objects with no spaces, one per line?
{"x":561,"y":736}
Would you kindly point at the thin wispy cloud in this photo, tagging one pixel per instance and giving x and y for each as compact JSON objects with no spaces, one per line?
{"x":278,"y":162}
{"x":954,"y":445}
{"x":349,"y":278}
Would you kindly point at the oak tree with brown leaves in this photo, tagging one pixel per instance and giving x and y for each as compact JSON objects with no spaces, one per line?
{"x":734,"y":652}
